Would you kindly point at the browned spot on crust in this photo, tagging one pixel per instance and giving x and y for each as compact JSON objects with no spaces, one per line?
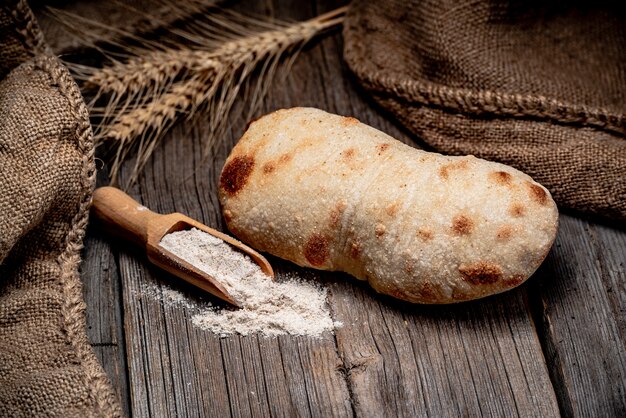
{"x":517,"y":210}
{"x":537,"y":194}
{"x":235,"y":174}
{"x":317,"y":249}
{"x":285,"y":158}
{"x":459,"y":295}
{"x":444,"y":170}
{"x":504,"y":232}
{"x":348,"y":154}
{"x":501,"y":177}
{"x":335,"y":214}
{"x":392,"y":209}
{"x":462,"y":225}
{"x":269,"y":167}
{"x":426,"y":292}
{"x":481,"y":273}
{"x":514,"y":280}
{"x":425,"y":234}
{"x":429,"y":292}
{"x":380,"y":230}
{"x":355,"y":249}
{"x":228,"y":215}
{"x":348,"y":121}
{"x":409,"y":266}
{"x":382,"y":148}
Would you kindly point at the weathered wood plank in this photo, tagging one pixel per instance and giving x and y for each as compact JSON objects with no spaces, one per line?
{"x":102,"y":293}
{"x":610,"y":244}
{"x":148,"y":356}
{"x":581,"y":316}
{"x":481,"y":358}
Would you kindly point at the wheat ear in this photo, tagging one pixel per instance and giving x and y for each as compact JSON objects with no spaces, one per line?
{"x":147,"y":92}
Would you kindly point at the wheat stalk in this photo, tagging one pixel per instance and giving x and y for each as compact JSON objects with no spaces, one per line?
{"x":148,"y":90}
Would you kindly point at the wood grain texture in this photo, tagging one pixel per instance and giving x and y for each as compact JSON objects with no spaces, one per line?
{"x":103,"y":296}
{"x":477,"y":359}
{"x":554,"y":346}
{"x":580,"y":306}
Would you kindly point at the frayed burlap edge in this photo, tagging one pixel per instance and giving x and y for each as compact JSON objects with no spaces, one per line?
{"x":73,"y":308}
{"x":475,"y":102}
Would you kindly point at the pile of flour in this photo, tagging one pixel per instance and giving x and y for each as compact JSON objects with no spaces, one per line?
{"x":268,"y":307}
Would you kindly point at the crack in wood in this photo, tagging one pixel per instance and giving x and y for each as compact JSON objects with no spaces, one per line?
{"x":104,"y":344}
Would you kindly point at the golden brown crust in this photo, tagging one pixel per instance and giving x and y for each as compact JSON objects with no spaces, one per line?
{"x":537,"y":193}
{"x":236,"y":173}
{"x":502,"y":178}
{"x":462,"y":225}
{"x":317,"y":249}
{"x":517,"y":210}
{"x":481,"y":273}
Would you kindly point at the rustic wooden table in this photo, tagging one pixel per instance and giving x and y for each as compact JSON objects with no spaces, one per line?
{"x":554,"y":346}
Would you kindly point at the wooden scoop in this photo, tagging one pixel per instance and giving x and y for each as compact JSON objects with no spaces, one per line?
{"x":126,"y":218}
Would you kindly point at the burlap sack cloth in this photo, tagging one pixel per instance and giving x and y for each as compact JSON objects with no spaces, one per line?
{"x":47,"y":366}
{"x":539,"y":85}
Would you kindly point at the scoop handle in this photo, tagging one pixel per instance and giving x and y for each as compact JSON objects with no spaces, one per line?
{"x":122,"y":215}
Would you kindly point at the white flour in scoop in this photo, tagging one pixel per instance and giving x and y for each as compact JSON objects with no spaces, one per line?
{"x":270,"y":308}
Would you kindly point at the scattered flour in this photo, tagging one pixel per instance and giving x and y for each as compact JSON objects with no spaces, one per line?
{"x":167,"y":295}
{"x":268,"y":307}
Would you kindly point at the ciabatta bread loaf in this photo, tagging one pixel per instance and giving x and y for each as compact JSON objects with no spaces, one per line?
{"x":329,"y":192}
